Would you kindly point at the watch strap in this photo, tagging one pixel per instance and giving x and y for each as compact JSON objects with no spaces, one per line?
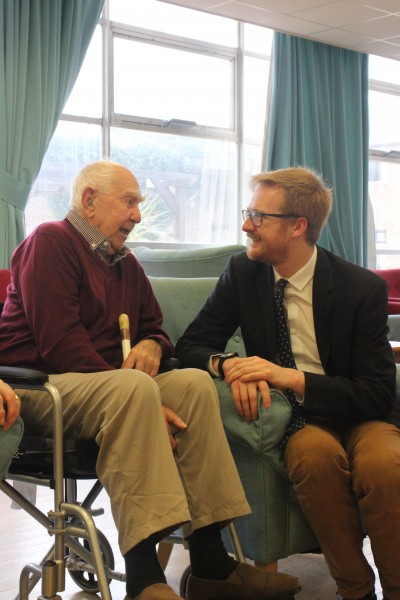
{"x":222,"y":359}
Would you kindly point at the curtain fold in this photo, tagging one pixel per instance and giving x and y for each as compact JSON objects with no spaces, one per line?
{"x":216,"y":194}
{"x":43,"y":46}
{"x":318,"y":118}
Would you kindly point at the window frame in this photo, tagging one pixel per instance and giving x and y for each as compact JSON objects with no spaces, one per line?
{"x":109,"y":119}
{"x":378,"y":155}
{"x":119,"y":31}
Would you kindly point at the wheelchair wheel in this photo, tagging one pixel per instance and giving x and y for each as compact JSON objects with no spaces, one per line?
{"x":88,"y":581}
{"x":183,"y":582}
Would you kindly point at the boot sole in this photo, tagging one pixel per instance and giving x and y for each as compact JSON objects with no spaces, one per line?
{"x":286,"y":597}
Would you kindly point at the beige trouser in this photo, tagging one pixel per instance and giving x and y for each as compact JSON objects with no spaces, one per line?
{"x":151,"y":488}
{"x":335,"y":473}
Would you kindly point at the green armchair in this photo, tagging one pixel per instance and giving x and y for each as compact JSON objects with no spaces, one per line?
{"x":276,"y":528}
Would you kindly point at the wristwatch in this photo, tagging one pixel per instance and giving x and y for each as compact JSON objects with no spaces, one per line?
{"x":223,"y":357}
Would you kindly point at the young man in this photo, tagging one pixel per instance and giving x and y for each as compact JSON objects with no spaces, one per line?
{"x":327,"y":348}
{"x":163,"y":455}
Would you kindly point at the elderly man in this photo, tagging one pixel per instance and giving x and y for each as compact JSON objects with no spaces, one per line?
{"x":163,"y":456}
{"x":315,"y":326}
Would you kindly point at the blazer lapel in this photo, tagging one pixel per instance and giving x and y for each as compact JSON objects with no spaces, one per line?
{"x":265,"y":292}
{"x":323,"y":286}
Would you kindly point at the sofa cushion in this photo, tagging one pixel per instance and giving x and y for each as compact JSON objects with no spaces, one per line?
{"x":202,"y":262}
{"x":180,"y":300}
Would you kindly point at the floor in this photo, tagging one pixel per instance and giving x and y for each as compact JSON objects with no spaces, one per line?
{"x":24,"y":541}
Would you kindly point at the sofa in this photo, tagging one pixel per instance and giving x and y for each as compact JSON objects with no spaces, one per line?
{"x":276,"y":528}
{"x":392,"y":278}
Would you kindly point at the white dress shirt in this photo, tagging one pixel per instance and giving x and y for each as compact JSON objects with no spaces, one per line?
{"x":300,"y":318}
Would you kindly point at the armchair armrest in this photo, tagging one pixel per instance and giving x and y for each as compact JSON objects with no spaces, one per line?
{"x":263,"y":435}
{"x":25,"y":378}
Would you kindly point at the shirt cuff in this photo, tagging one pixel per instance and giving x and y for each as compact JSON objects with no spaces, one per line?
{"x":210,"y":367}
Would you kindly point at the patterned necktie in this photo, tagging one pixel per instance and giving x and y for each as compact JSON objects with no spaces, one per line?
{"x":286,"y":359}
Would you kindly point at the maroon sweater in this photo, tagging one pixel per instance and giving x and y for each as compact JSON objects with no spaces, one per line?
{"x":62,"y":308}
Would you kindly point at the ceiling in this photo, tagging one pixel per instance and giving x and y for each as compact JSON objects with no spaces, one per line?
{"x":371,"y":26}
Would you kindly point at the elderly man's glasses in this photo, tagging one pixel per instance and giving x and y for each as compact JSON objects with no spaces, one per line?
{"x":257,"y":217}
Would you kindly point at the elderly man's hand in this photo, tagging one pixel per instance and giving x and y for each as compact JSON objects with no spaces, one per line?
{"x":145,"y":356}
{"x":174,"y":424}
{"x":10,"y":405}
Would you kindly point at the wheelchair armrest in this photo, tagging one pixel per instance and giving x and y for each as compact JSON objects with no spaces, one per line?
{"x":20,"y":377}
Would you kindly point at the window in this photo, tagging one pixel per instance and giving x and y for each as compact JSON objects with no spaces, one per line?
{"x":380,"y":236}
{"x":384,"y":166}
{"x":179,"y":97}
{"x":374,"y":171}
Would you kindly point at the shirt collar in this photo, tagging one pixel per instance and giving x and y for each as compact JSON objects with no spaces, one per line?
{"x":96,"y":240}
{"x":304,"y":275}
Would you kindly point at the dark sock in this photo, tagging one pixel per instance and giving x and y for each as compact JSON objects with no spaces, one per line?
{"x":142,"y":567}
{"x":208,"y":556}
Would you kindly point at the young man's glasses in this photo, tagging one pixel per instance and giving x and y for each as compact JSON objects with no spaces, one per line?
{"x":257,"y":217}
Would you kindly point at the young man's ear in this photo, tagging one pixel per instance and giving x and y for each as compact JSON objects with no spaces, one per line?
{"x":301,"y":225}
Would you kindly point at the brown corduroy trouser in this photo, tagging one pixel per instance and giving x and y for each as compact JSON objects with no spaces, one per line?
{"x":338,"y":472}
{"x":151,"y":487}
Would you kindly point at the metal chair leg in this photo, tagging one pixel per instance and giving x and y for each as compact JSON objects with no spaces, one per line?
{"x":164,"y":553}
{"x":236,"y":543}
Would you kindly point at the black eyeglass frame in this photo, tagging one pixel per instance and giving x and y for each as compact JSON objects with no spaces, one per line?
{"x":256,"y":214}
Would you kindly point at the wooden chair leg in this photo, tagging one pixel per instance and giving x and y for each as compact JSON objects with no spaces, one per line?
{"x":164,"y":552}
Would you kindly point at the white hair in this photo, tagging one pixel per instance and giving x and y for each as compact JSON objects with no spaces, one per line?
{"x":99,"y":175}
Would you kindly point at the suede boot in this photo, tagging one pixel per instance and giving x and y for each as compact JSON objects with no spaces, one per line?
{"x":157,"y":591}
{"x":245,"y":583}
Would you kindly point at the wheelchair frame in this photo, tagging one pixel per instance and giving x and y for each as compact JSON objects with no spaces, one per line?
{"x":52,"y":568}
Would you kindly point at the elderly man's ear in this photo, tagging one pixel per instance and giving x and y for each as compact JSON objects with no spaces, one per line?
{"x":88,"y":198}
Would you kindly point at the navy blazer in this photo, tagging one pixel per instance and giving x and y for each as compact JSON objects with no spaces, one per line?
{"x":350,"y":318}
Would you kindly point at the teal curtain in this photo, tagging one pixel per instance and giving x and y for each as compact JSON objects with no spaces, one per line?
{"x":318,"y":118}
{"x":42,"y":49}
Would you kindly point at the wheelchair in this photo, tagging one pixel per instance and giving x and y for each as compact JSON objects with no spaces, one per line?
{"x":79,"y":548}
